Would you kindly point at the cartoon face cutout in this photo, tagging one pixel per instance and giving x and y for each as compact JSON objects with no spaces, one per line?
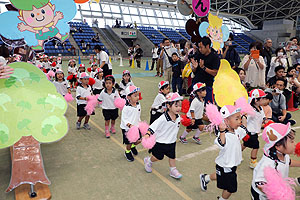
{"x":215,"y":33}
{"x":38,"y":17}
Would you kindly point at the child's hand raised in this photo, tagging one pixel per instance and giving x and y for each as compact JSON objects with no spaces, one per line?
{"x":22,"y":27}
{"x":222,"y":127}
{"x":59,"y":15}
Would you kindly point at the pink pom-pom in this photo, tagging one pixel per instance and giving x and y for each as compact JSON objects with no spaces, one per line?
{"x":39,"y":66}
{"x":133,"y":134}
{"x":143,"y":126}
{"x":120,"y":103}
{"x":148,"y":143}
{"x":278,"y":187}
{"x":246,"y":108}
{"x":48,"y":77}
{"x":92,"y":102}
{"x":51,"y":73}
{"x":213,"y":114}
{"x":68,"y":97}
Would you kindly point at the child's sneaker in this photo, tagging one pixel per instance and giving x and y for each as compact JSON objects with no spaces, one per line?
{"x":129,"y":156}
{"x":86,"y":126}
{"x":253,"y":164}
{"x":203,"y":183}
{"x":107,"y":134}
{"x":298,"y":181}
{"x":148,"y":164}
{"x":134,"y":151}
{"x":197,"y":140}
{"x":183,"y":140}
{"x":78,"y":124}
{"x":175,"y":174}
{"x":113,"y":130}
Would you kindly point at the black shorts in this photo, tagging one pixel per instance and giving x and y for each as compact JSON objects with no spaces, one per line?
{"x":253,"y":142}
{"x":160,"y":150}
{"x":81,"y":112}
{"x":125,"y":139}
{"x":254,"y":194}
{"x":155,"y":116}
{"x":226,"y":181}
{"x":106,"y":70}
{"x":97,"y":91}
{"x":110,"y":114}
{"x":198,"y":122}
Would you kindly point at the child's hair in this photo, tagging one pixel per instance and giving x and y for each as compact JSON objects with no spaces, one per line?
{"x":289,"y":70}
{"x":164,"y":87}
{"x":283,"y":142}
{"x":70,"y":64}
{"x":175,"y":54}
{"x":56,"y":79}
{"x":269,"y":96}
{"x":123,"y":79}
{"x":107,"y":78}
{"x":172,"y":103}
{"x":20,"y":5}
{"x":253,"y":101}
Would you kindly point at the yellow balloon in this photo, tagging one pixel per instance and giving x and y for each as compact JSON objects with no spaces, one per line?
{"x":227,"y":86}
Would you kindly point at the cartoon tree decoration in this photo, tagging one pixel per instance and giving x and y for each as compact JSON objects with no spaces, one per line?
{"x":33,"y":104}
{"x":228,"y":82}
{"x":215,"y":30}
{"x":37,"y":21}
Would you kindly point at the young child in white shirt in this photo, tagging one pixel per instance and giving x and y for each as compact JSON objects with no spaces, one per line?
{"x":72,"y":72}
{"x":82,"y":92}
{"x":131,"y":116}
{"x":94,"y":68}
{"x":157,"y":108}
{"x":99,"y":81}
{"x":110,"y":112}
{"x":195,"y":113}
{"x":81,"y":69}
{"x":62,"y":86}
{"x":254,"y":124}
{"x":165,"y":129}
{"x":230,"y":155}
{"x":125,"y":83}
{"x":279,"y":145}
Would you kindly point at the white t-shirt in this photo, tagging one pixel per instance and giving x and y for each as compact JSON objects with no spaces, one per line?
{"x":154,"y":53}
{"x":47,"y":65}
{"x":197,"y":107}
{"x":122,"y":92}
{"x":131,"y":115}
{"x":108,"y":100}
{"x":159,"y":100}
{"x":273,"y":65}
{"x":103,"y":57}
{"x":230,"y":154}
{"x":98,"y":84}
{"x":165,"y":129}
{"x":241,"y":132}
{"x":72,"y":70}
{"x":83,"y":92}
{"x":258,"y":172}
{"x":61,"y":87}
{"x":254,"y":122}
{"x":92,"y":74}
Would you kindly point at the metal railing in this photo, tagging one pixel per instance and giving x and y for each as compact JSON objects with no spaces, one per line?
{"x":114,"y":48}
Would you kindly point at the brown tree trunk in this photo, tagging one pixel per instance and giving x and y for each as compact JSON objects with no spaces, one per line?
{"x":27,"y":164}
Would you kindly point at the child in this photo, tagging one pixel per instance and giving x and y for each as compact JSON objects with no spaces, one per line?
{"x":131,"y":114}
{"x":81,"y":69}
{"x":230,"y":155}
{"x":98,"y":86}
{"x":125,"y":82}
{"x":61,"y":84}
{"x":279,"y":145}
{"x":196,"y":113}
{"x":82,"y":92}
{"x":177,"y":68}
{"x":72,"y":70}
{"x":266,"y":105}
{"x":242,"y":74}
{"x":166,"y":128}
{"x":157,"y":108}
{"x":254,"y":124}
{"x":94,"y":67}
{"x":109,"y":110}
{"x":46,"y":64}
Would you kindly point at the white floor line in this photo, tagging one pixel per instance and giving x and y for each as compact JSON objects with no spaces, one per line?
{"x":192,"y":155}
{"x":297,"y":127}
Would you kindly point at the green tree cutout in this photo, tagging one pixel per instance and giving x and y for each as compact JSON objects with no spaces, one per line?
{"x":32,"y":106}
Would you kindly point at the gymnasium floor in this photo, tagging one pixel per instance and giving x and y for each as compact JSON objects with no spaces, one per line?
{"x":85,"y":165}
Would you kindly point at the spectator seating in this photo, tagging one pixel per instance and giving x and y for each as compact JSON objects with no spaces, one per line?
{"x":184,"y":33}
{"x":87,"y":36}
{"x":243,"y":42}
{"x":153,"y":35}
{"x":171,"y":34}
{"x":51,"y":49}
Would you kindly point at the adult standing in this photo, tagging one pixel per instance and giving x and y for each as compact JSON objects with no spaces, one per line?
{"x":230,"y":53}
{"x":295,"y":51}
{"x":205,"y":67}
{"x":138,"y":55}
{"x":266,"y":53}
{"x":103,"y":61}
{"x":166,"y":56}
{"x":159,"y":66}
{"x":254,"y":67}
{"x":279,"y":59}
{"x":154,"y":56}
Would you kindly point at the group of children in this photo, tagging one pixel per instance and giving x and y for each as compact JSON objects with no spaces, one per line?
{"x":165,"y":124}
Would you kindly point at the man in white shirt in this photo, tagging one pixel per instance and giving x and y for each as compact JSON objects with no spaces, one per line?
{"x":103,"y":61}
{"x":154,"y":56}
{"x":166,"y":55}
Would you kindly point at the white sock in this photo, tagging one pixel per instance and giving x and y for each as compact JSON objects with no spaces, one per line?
{"x":171,"y":168}
{"x":149,"y":159}
{"x":207,"y":178}
{"x":221,"y":198}
{"x":198,"y":133}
